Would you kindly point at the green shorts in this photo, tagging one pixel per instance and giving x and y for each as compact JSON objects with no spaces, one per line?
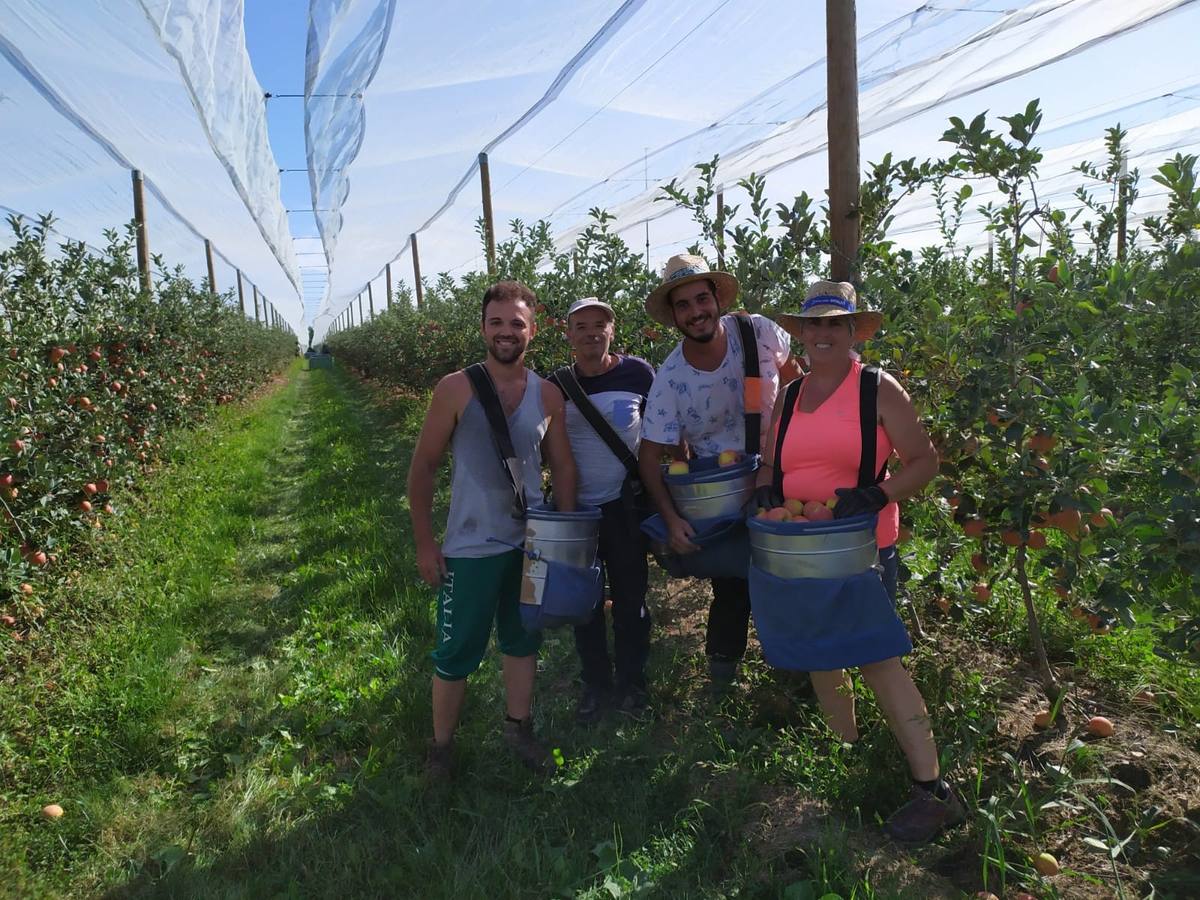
{"x":476,"y":591}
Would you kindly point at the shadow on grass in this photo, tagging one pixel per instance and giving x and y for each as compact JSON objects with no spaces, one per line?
{"x":660,"y":801}
{"x":680,"y":805}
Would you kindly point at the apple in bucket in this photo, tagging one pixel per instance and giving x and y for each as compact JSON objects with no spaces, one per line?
{"x":679,"y":467}
{"x":817,"y":511}
{"x":728,"y":458}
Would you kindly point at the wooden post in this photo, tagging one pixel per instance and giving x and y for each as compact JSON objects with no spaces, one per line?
{"x":241,"y":296}
{"x":489,"y":225}
{"x":842,"y":92}
{"x":412,"y":239}
{"x":143,"y":239}
{"x":720,"y":230}
{"x":1122,"y":209}
{"x":370,"y":300}
{"x":212,"y":274}
{"x":387,"y":301}
{"x":255,"y":286}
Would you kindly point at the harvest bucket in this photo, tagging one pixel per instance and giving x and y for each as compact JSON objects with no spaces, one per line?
{"x":822,"y":624}
{"x":837,"y":548}
{"x":710,"y":491}
{"x":560,"y":583}
{"x":566,"y":537}
{"x":724,"y":549}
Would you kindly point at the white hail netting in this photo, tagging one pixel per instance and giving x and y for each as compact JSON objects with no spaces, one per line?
{"x":597,"y":104}
{"x":91,"y":90}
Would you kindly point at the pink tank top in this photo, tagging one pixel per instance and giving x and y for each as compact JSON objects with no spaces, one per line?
{"x":822,"y":449}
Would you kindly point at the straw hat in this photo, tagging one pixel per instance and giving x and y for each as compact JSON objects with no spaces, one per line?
{"x":684,"y":269}
{"x":832,"y":298}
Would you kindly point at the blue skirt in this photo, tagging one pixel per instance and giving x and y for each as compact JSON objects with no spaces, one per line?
{"x":822,"y":624}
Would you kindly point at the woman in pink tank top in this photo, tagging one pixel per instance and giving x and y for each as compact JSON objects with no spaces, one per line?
{"x":820,"y":460}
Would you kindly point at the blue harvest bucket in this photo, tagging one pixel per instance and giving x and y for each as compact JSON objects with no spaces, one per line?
{"x":565,"y":594}
{"x":709,"y":491}
{"x":724,"y":549}
{"x":836,"y":548}
{"x":822,"y":624}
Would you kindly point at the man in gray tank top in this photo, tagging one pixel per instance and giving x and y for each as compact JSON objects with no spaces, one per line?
{"x":479,"y":580}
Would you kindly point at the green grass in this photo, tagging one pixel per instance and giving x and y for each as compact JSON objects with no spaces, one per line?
{"x":238,"y":704}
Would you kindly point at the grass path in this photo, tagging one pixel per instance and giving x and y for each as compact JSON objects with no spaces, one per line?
{"x":237,"y":707}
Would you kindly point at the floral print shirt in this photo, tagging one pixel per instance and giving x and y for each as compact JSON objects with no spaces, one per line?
{"x":707,"y":409}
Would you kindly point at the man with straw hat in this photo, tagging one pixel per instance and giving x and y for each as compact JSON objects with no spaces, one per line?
{"x":831,"y":435}
{"x":699,"y":397}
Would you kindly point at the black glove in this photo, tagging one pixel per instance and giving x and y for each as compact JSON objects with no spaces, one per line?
{"x":858,"y":501}
{"x":766,"y":497}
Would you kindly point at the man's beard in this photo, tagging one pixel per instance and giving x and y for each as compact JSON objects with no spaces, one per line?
{"x":506,"y":353}
{"x":701,"y":337}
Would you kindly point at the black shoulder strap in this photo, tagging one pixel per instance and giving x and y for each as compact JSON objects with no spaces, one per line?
{"x":565,"y":378}
{"x":790,"y":394}
{"x":489,"y":399}
{"x":868,"y":419}
{"x":752,"y":394}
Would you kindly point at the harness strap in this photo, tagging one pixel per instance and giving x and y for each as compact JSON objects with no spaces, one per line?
{"x":489,"y":399}
{"x":565,"y":378}
{"x":752,"y":386}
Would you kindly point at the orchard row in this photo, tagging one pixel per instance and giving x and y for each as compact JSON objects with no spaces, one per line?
{"x":94,"y":374}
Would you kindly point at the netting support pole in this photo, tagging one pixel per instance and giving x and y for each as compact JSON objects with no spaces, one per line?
{"x":143,"y":240}
{"x":387,"y":274}
{"x":255,"y":287}
{"x":241,"y":296}
{"x":489,"y":224}
{"x":361,"y":320}
{"x":719,"y":227}
{"x":370,"y":300}
{"x":212,"y":273}
{"x":417,"y":271}
{"x":842,"y":90}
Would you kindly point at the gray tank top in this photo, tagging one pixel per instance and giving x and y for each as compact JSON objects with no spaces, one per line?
{"x":480,"y":495}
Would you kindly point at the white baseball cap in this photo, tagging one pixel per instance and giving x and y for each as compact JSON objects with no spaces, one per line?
{"x":585,"y":302}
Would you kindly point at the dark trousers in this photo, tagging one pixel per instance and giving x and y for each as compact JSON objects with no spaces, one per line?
{"x":623,"y":555}
{"x":728,"y":619}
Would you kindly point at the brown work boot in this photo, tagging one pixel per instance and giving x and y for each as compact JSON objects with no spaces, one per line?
{"x":520,"y":739}
{"x":439,"y":762}
{"x":920,"y":819}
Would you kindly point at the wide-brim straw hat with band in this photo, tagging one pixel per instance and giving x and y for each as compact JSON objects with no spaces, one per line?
{"x":832,"y":298}
{"x":684,"y":269}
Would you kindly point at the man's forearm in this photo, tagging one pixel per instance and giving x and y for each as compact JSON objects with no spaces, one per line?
{"x":420,"y":507}
{"x":564,"y":480}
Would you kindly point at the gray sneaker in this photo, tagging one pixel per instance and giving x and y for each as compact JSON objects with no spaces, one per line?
{"x":920,"y":819}
{"x":528,"y":749}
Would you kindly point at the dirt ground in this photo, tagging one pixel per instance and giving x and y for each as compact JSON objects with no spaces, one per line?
{"x":1144,"y":779}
